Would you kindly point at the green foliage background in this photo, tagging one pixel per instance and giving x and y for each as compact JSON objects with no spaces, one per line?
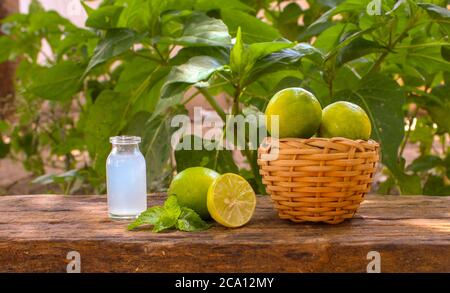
{"x":122,"y":76}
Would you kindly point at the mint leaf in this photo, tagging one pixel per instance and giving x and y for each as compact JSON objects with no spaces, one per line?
{"x":171,"y":206}
{"x":149,"y":217}
{"x":165,"y":221}
{"x":190,"y":221}
{"x":170,"y":215}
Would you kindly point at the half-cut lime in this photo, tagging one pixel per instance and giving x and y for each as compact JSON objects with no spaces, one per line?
{"x":231,"y":200}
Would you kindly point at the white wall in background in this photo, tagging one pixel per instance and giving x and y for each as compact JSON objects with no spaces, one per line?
{"x":71,"y":9}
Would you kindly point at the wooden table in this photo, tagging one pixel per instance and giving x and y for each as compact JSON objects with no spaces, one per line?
{"x":412,"y":234}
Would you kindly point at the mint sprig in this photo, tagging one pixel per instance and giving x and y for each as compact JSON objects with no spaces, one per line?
{"x":170,"y":215}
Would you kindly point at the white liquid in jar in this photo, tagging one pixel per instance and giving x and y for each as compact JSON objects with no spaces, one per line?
{"x":126,"y":184}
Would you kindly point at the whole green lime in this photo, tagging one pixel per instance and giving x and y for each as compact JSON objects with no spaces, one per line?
{"x":191,"y":188}
{"x":298,"y":110}
{"x":345,"y":119}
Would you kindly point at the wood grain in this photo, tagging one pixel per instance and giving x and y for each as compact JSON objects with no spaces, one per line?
{"x":37,"y":231}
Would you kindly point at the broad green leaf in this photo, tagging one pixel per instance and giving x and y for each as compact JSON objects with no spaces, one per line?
{"x":136,"y":15}
{"x":253,"y":29}
{"x":347,"y":38}
{"x":105,"y":17}
{"x":201,"y":30}
{"x":282,"y":60}
{"x":383,"y":99}
{"x":287,"y":21}
{"x":190,"y":221}
{"x":165,"y":105}
{"x":49,"y":21}
{"x":135,"y":73}
{"x":439,"y":112}
{"x":81,"y":38}
{"x":156,"y":134}
{"x":425,"y":163}
{"x":104,"y":120}
{"x":357,"y":48}
{"x":207,"y":5}
{"x":261,"y":91}
{"x":134,"y":124}
{"x":219,"y":53}
{"x":116,"y":42}
{"x":423,"y":133}
{"x":257,"y":51}
{"x":209,"y":156}
{"x":355,"y":6}
{"x":199,"y":68}
{"x":436,"y":186}
{"x":142,"y":79}
{"x":428,"y":59}
{"x":332,"y":36}
{"x":156,"y":148}
{"x":58,"y":83}
{"x":346,"y":78}
{"x":318,"y":26}
{"x":144,"y":15}
{"x":435,"y":10}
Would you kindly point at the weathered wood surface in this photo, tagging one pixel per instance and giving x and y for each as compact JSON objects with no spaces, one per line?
{"x":412,"y":234}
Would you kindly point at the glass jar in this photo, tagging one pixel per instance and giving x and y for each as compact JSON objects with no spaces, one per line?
{"x":126,"y":178}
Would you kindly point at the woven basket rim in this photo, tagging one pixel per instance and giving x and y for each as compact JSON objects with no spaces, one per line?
{"x":337,"y":138}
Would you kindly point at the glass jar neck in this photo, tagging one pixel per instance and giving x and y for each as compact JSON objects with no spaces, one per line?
{"x":125,"y":148}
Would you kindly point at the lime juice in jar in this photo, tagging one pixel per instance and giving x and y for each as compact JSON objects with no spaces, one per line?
{"x":126,"y":178}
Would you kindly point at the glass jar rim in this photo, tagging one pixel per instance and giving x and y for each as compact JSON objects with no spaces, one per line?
{"x":125,"y":139}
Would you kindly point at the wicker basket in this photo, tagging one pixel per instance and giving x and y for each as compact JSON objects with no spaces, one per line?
{"x":317,"y":179}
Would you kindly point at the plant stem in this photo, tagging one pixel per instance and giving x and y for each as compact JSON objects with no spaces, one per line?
{"x":249,"y":155}
{"x":408,"y":133}
{"x":198,"y":92}
{"x":434,"y":44}
{"x":191,"y":97}
{"x":212,"y":101}
{"x":392,"y":45}
{"x":164,"y":60}
{"x":235,"y":110}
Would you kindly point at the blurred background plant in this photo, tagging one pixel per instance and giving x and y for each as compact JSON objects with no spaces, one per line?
{"x":137,"y":63}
